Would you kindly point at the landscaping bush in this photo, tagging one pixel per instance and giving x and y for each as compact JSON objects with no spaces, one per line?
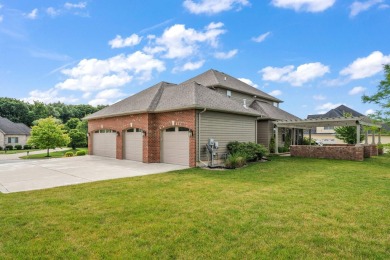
{"x":283,"y":149}
{"x":18,"y":147}
{"x":69,"y":154}
{"x":306,"y":141}
{"x":9,"y":147}
{"x":80,"y":153}
{"x":250,"y":151}
{"x":234,"y":161}
{"x":272,"y":145}
{"x":27,"y":147}
{"x":1,"y":148}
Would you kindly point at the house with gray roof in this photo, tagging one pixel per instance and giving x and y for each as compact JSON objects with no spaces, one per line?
{"x":13,"y":133}
{"x":172,"y":123}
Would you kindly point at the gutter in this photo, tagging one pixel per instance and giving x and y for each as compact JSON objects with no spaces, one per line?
{"x":199,"y":117}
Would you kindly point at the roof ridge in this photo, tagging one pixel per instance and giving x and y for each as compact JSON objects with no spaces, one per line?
{"x":157,"y":97}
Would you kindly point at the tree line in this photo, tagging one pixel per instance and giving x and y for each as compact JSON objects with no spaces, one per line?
{"x":19,"y":111}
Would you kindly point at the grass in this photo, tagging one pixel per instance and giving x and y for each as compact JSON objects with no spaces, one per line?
{"x":18,"y":151}
{"x":53,"y":154}
{"x":285,"y":208}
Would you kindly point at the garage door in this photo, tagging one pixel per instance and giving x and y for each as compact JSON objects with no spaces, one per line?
{"x":104,"y":143}
{"x":175,"y":147}
{"x":133,"y":144}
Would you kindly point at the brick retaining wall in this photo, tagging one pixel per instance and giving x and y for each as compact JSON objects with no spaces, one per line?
{"x":352,"y":153}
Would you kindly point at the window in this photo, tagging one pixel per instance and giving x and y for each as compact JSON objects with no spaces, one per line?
{"x":183,"y":129}
{"x":13,"y":140}
{"x":172,"y":129}
{"x":228,"y":93}
{"x":328,"y":128}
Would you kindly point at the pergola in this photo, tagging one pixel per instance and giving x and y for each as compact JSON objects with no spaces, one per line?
{"x":334,"y":121}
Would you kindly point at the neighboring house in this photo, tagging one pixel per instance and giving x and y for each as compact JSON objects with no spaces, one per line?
{"x":13,"y":133}
{"x":172,"y":123}
{"x":327,"y":134}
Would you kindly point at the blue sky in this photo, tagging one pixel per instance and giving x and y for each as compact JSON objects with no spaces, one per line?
{"x":312,"y":54}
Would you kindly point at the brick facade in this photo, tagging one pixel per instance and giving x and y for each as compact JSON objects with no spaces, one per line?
{"x":353,"y":153}
{"x":152,"y":124}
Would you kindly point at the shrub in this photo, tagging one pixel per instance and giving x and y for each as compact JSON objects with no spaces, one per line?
{"x":1,"y":148}
{"x":283,"y":149}
{"x":18,"y":147}
{"x":9,"y":147}
{"x":306,"y":141}
{"x":27,"y":147}
{"x":234,"y":161}
{"x":69,"y":154}
{"x":250,"y":151}
{"x":272,"y":145}
{"x":80,"y":153}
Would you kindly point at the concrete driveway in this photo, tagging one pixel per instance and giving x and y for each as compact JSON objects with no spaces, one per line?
{"x":25,"y":175}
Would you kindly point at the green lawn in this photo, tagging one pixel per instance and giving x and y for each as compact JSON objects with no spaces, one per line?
{"x":285,"y":208}
{"x":53,"y":154}
{"x":17,"y":151}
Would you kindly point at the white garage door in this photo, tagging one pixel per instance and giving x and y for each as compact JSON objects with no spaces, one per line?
{"x":133,"y":144}
{"x":104,"y":143}
{"x":175,"y":147}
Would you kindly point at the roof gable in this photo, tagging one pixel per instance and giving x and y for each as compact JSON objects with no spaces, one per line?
{"x":337,"y":112}
{"x":9,"y":127}
{"x":213,"y":78}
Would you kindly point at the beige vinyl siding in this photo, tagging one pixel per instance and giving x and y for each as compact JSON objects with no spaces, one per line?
{"x":264,"y":132}
{"x":224,"y":128}
{"x":2,"y":143}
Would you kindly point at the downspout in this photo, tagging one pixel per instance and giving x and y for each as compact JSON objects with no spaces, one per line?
{"x":199,"y":117}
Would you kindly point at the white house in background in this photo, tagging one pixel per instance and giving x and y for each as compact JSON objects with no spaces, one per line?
{"x":13,"y":133}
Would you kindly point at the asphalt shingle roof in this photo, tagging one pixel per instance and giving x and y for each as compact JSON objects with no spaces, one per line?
{"x":214,"y":78}
{"x":169,"y":97}
{"x":336,"y":112}
{"x":11,"y":128}
{"x":270,"y":111}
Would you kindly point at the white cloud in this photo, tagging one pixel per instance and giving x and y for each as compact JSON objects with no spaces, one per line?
{"x":249,"y":82}
{"x":213,"y":6}
{"x":261,"y":38}
{"x":33,"y":14}
{"x":190,"y":66}
{"x":367,"y":66}
{"x":49,"y":96}
{"x":358,"y":7}
{"x":79,"y":5}
{"x":119,"y":42}
{"x":275,"y":93}
{"x":93,"y":74}
{"x":356,"y":91}
{"x":51,"y":11}
{"x":326,"y":107}
{"x":226,"y":55}
{"x":312,"y":6}
{"x":179,"y":42}
{"x":106,"y":97}
{"x":296,"y":77}
{"x":370,"y":112}
{"x":319,"y":97}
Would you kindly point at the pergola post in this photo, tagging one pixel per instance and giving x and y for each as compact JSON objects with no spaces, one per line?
{"x":379,"y":136}
{"x":310,"y":136}
{"x":366,"y":138}
{"x":358,"y":134}
{"x":276,"y":140}
{"x":373,"y":137}
{"x":294,"y":137}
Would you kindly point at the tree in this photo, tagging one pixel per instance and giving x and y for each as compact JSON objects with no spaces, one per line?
{"x":72,"y":123}
{"x":77,"y":138}
{"x":348,"y":134}
{"x":48,"y":134}
{"x":382,"y":97}
{"x":15,"y":110}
